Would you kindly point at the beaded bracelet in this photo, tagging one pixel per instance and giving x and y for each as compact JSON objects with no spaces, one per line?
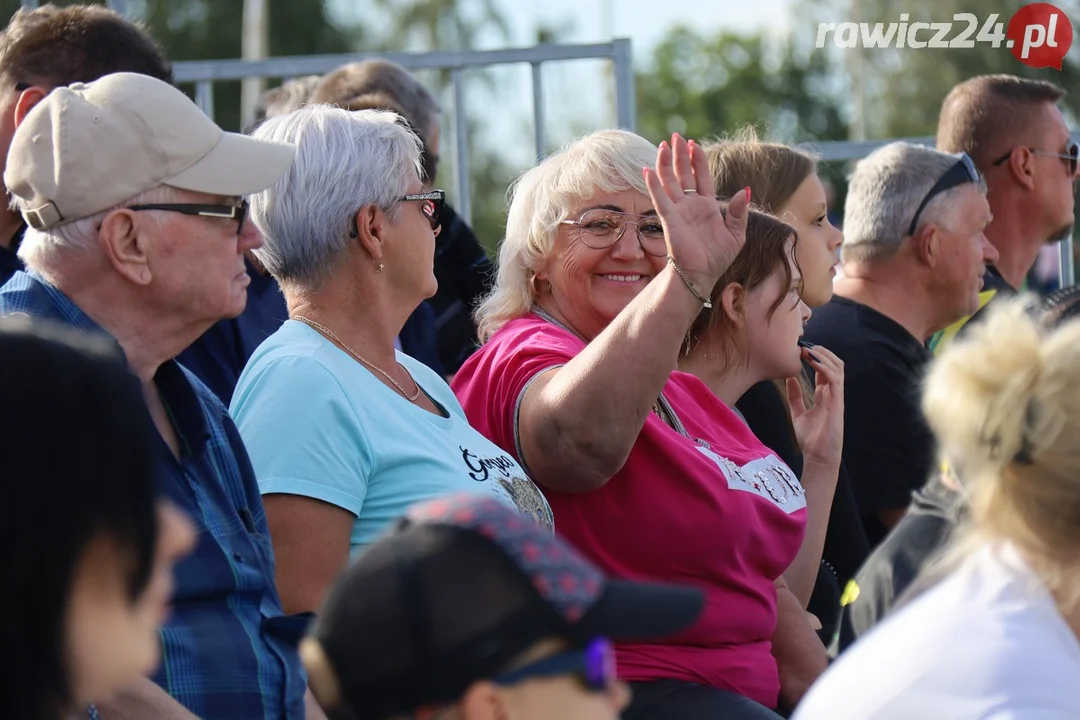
{"x":704,"y":300}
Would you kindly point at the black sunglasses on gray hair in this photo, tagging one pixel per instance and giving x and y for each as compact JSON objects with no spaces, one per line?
{"x":964,"y":171}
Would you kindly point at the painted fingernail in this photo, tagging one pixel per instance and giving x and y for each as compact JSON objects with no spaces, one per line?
{"x":747,"y":193}
{"x":807,"y":345}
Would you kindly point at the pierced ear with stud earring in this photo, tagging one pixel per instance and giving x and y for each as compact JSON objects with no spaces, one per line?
{"x":379,"y":267}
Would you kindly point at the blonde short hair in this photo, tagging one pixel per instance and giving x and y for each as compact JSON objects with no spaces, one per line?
{"x":1004,"y":403}
{"x":604,"y":161}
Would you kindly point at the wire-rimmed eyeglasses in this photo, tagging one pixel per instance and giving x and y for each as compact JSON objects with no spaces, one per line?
{"x":601,"y":228}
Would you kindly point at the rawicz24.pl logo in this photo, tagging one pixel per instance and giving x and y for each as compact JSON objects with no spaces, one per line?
{"x":1038,"y":34}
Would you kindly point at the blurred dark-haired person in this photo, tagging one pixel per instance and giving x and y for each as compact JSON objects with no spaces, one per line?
{"x":914,"y":255}
{"x":89,"y":541}
{"x":1013,"y":129}
{"x":992,"y":630}
{"x":466,"y":610}
{"x":137,"y":230}
{"x":441,"y":333}
{"x":49,"y":47}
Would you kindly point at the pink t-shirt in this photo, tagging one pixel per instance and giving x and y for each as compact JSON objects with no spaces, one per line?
{"x":713,"y":508}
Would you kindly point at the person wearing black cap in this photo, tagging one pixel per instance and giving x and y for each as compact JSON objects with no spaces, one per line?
{"x":466,"y":609}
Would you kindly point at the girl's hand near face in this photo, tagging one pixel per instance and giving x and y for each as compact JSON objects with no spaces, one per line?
{"x":820,"y":429}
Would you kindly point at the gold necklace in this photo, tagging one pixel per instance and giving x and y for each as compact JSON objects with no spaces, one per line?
{"x":328,"y":333}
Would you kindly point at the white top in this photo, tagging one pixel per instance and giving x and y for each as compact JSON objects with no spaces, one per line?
{"x":986,"y":642}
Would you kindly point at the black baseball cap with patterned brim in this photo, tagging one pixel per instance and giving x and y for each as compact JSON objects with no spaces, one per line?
{"x":458,"y":589}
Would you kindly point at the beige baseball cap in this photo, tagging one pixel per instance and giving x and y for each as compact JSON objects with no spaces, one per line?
{"x":91,"y":146}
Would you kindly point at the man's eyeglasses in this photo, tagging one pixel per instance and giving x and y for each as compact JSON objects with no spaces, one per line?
{"x":594,"y":666}
{"x":964,"y":171}
{"x":1072,"y":154}
{"x":600,"y":229}
{"x":236,"y":212}
{"x":433,"y":200}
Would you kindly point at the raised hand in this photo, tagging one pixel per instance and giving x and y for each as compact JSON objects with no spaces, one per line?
{"x":701,"y":239}
{"x":820,"y":429}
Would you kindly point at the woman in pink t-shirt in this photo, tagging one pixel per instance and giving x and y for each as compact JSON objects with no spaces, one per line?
{"x":603,"y":271}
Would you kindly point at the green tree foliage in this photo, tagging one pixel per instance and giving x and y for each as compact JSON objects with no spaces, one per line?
{"x":210,"y":29}
{"x":712,"y":85}
{"x":900,"y":90}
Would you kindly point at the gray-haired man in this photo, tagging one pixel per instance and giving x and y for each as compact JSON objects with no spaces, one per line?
{"x":914,"y":254}
{"x":137,"y":229}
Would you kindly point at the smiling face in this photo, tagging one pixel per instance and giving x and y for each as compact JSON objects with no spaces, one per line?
{"x":585,"y":287}
{"x":816,"y":252}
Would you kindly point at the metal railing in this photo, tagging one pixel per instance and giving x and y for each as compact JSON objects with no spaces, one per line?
{"x":845,"y":150}
{"x":205,"y":73}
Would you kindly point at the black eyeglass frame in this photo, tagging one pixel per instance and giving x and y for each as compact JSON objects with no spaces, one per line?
{"x":235,"y":212}
{"x":1072,"y":154}
{"x":964,"y":171}
{"x":437,"y":197}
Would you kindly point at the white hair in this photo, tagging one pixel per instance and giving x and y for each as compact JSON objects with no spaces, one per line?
{"x":345,"y":161}
{"x":40,"y":249}
{"x":541,"y":198}
{"x":884,"y":193}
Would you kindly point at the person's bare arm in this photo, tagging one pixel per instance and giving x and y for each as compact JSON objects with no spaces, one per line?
{"x":311,"y":547}
{"x":800,"y":656}
{"x":143,"y":700}
{"x":578,"y":423}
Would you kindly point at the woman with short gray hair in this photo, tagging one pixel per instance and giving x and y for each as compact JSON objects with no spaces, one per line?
{"x":344,"y":430}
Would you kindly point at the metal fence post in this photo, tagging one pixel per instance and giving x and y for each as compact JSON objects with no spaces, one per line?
{"x":538,"y":110}
{"x":461,"y":152}
{"x":625,"y":92}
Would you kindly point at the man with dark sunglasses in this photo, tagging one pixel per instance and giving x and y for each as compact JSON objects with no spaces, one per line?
{"x":466,"y":610}
{"x":1014,"y":131}
{"x":914,"y":256}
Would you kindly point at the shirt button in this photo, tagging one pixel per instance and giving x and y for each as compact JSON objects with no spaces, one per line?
{"x":237,"y":558}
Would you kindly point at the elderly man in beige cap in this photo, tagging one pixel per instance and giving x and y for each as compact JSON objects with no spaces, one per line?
{"x":137,"y":227}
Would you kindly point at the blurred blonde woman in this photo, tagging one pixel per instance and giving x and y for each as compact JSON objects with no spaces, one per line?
{"x":995,"y":635}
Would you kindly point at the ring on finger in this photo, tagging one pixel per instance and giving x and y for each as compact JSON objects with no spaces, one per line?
{"x":690,"y":191}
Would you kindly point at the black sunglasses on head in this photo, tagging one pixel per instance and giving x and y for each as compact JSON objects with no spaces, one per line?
{"x":1072,"y":154}
{"x":964,"y":171}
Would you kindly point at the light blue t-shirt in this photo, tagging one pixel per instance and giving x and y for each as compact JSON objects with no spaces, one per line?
{"x":318,"y":423}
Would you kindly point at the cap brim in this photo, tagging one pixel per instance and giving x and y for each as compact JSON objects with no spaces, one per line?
{"x":237,"y":165}
{"x":640,"y":611}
